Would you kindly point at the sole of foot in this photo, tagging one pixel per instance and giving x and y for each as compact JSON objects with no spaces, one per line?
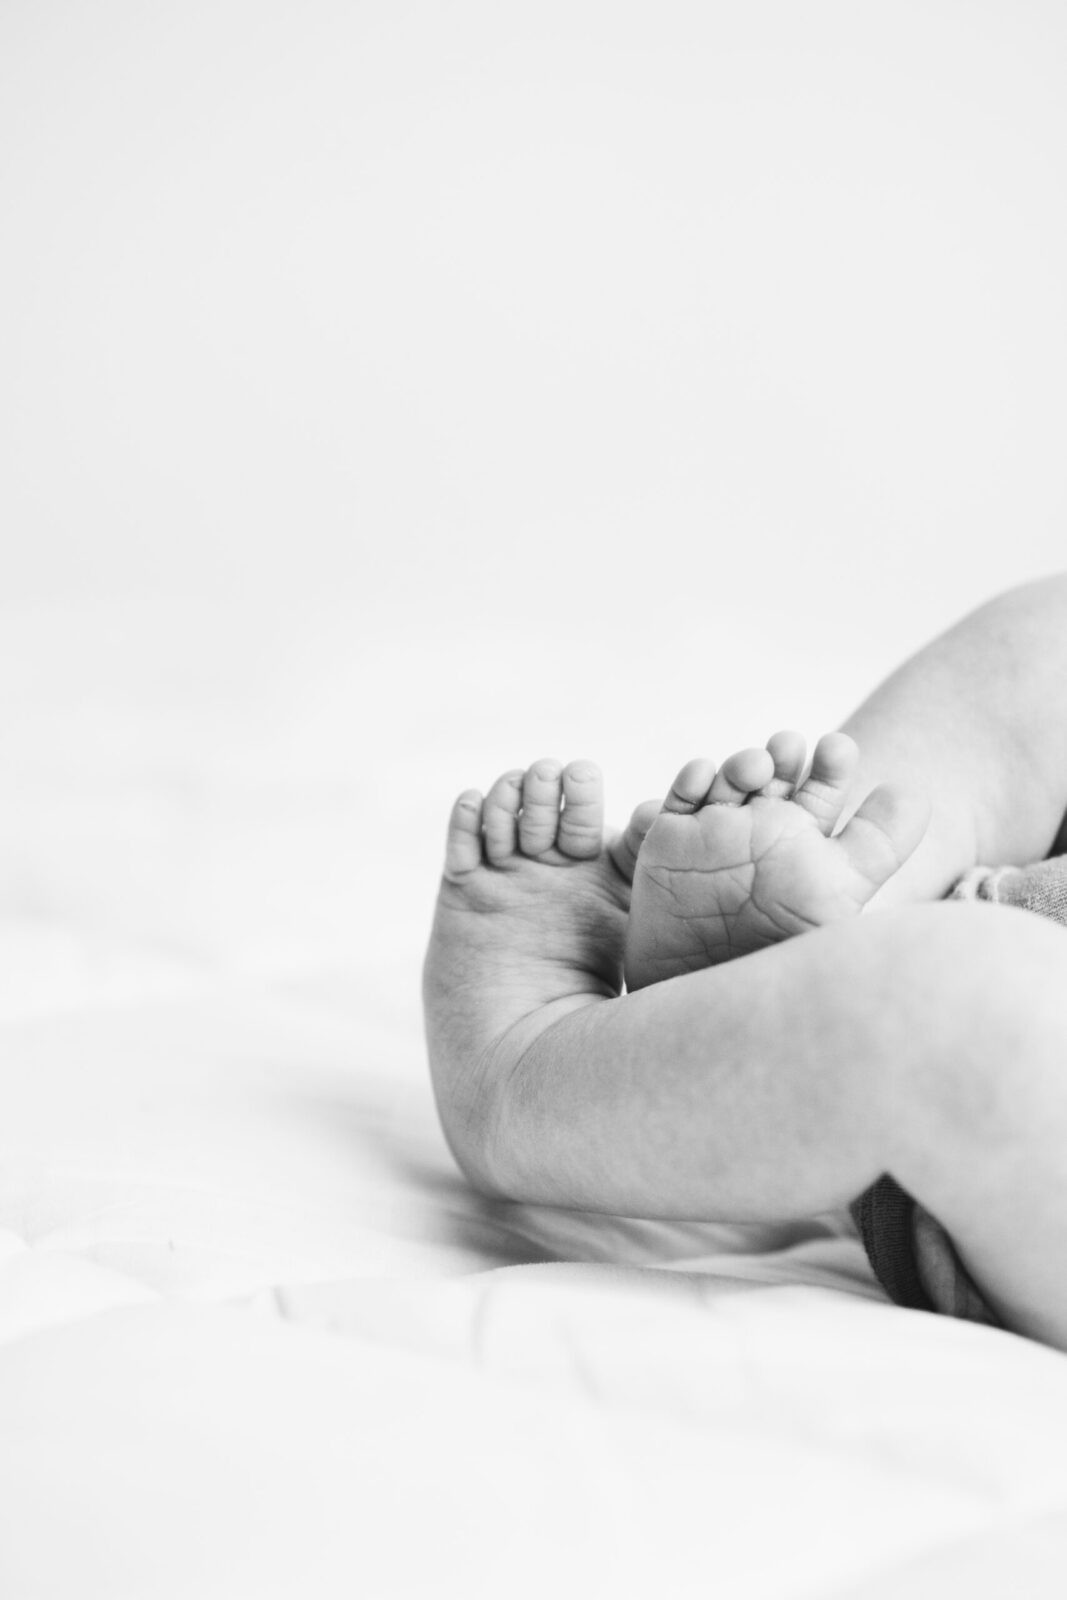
{"x":749,"y":853}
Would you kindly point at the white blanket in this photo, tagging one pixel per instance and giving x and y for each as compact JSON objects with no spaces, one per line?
{"x":258,"y":1336}
{"x":391,"y":394}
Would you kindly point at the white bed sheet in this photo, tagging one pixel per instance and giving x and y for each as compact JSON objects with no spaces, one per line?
{"x":393,"y":394}
{"x":256,"y":1334}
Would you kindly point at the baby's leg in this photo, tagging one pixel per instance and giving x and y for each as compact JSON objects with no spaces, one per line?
{"x":929,"y":1042}
{"x":977,"y":719}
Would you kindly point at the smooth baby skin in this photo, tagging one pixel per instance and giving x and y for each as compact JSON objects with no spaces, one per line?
{"x":976,"y":720}
{"x":969,"y":734}
{"x":928,"y":1042}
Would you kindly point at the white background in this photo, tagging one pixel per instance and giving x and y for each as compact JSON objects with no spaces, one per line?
{"x":390,"y":394}
{"x":405,"y":391}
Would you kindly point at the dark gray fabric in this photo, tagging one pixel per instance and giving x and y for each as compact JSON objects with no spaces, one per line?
{"x":885,"y":1217}
{"x":1041,"y":888}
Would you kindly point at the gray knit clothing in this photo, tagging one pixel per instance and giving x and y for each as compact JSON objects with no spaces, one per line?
{"x":913,"y":1257}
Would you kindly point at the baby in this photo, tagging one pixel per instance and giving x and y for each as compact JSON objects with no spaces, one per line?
{"x":746,"y":1074}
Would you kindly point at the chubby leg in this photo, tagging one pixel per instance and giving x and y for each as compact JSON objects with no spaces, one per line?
{"x":930,"y":1042}
{"x":780,"y":1085}
{"x":976,"y":718}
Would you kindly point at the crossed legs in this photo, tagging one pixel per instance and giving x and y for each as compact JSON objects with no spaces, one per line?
{"x":928,"y":1041}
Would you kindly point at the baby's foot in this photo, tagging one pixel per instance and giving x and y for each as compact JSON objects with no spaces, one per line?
{"x":529,"y":924}
{"x":744,"y":857}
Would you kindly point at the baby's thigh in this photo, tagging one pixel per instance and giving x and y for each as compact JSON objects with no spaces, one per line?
{"x":992,"y":1167}
{"x":1011,"y":1240}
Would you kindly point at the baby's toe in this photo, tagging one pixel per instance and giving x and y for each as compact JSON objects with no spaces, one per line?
{"x":788,"y":750}
{"x":689,"y":789}
{"x":500,"y":817}
{"x":625,"y":849}
{"x":581,"y":827}
{"x":542,"y":791}
{"x":463,"y":850}
{"x":741,"y":775}
{"x":833,"y":766}
{"x":884,"y":831}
